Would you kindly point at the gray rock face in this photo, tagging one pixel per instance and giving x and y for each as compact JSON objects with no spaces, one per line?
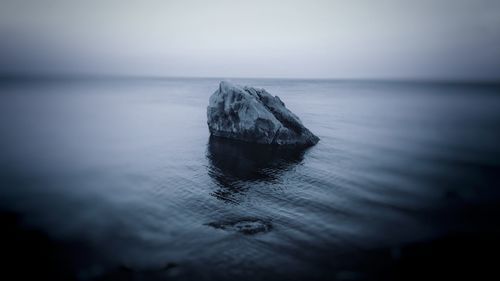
{"x":253,"y":115}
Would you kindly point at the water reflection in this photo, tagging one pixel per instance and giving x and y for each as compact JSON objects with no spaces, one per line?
{"x":236,"y":166}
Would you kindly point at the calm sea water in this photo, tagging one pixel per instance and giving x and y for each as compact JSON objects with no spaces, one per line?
{"x":127,"y":169}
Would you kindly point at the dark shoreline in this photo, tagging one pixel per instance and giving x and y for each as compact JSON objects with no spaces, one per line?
{"x":465,"y":255}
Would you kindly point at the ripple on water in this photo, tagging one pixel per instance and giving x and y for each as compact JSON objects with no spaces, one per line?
{"x":248,"y":226}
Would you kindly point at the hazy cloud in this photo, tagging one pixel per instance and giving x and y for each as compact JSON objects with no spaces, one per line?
{"x":327,"y":39}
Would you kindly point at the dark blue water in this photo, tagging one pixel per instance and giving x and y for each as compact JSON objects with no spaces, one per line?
{"x":127,"y":169}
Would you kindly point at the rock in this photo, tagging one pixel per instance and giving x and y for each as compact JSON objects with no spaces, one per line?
{"x":253,"y":115}
{"x":248,"y":226}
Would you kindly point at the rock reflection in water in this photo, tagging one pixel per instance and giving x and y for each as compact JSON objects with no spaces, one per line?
{"x":235,"y":166}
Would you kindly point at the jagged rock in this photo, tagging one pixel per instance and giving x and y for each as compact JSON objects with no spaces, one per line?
{"x":253,"y":115}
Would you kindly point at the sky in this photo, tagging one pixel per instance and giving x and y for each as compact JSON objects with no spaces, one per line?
{"x":372,"y":39}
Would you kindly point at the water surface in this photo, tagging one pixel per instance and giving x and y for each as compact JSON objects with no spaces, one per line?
{"x":127,"y":169}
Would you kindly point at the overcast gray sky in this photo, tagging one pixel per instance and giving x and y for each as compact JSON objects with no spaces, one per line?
{"x":436,"y":39}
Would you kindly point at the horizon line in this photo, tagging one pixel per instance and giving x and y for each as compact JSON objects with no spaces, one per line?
{"x":96,"y":76}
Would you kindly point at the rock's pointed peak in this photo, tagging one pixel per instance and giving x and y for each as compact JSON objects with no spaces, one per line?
{"x":225,"y":86}
{"x":225,"y":83}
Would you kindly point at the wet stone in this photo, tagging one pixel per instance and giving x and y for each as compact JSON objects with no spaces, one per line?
{"x":248,"y":226}
{"x":253,"y":115}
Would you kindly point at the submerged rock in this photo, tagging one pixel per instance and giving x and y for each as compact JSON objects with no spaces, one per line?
{"x":253,"y":115}
{"x":248,"y":226}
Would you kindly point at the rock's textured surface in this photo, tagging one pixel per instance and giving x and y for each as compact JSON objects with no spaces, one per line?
{"x":253,"y":115}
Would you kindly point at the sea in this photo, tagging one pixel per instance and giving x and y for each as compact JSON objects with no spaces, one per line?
{"x":119,"y":179}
